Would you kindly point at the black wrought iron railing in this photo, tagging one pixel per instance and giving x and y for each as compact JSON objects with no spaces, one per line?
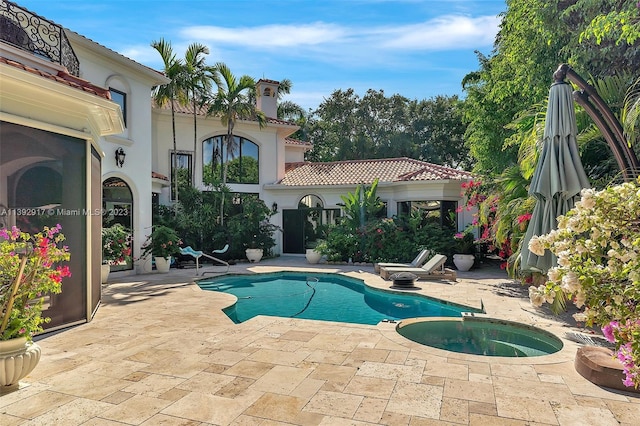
{"x":28,"y":31}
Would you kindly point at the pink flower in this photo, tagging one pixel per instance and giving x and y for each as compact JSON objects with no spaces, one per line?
{"x":607,"y":331}
{"x":524,"y":218}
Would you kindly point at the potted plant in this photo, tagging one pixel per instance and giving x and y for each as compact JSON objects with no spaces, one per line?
{"x":252,"y":230}
{"x":163,"y":243}
{"x":116,"y":248}
{"x":253,"y":251}
{"x":464,"y":247}
{"x":29,"y":269}
{"x":313,"y":255}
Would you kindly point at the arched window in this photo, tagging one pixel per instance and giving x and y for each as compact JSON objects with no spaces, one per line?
{"x":242,"y":158}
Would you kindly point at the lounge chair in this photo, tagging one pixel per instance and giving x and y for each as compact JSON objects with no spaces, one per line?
{"x":434,"y":269}
{"x":415,"y":263}
{"x":196,"y":254}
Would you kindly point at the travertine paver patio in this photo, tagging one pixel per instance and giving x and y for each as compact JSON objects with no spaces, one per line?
{"x":160,"y":351}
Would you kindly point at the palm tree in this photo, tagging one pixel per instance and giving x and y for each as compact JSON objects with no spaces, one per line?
{"x":197,"y":80}
{"x":171,"y":92}
{"x":231,"y":103}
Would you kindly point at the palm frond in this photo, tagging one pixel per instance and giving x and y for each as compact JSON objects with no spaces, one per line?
{"x":631,"y":112}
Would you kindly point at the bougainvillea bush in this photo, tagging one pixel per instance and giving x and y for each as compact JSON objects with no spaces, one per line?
{"x":30,"y":268}
{"x":597,"y":245}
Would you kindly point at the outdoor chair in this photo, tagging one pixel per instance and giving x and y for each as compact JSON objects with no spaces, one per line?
{"x":434,"y":269}
{"x":196,"y":254}
{"x":419,"y":260}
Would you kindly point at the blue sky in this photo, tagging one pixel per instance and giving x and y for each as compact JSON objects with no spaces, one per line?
{"x":416,"y":48}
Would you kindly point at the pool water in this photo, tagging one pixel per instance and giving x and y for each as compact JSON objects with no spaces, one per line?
{"x":326,"y":297}
{"x":479,"y":336}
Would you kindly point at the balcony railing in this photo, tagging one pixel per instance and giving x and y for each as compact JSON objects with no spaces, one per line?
{"x":30,"y":32}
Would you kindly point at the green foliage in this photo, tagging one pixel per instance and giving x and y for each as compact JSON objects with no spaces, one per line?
{"x":362,"y":205}
{"x":251,"y":228}
{"x":243,"y":170}
{"x":347,"y":127}
{"x":232,"y":102}
{"x":30,"y":268}
{"x":116,"y":244}
{"x":162,"y":242}
{"x":197,"y":220}
{"x":464,"y":243}
{"x":381,"y":239}
{"x":535,"y":37}
{"x":386,"y":240}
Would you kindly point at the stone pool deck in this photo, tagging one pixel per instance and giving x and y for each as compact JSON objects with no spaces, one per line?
{"x":160,"y":352}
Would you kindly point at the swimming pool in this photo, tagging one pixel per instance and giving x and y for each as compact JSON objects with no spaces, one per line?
{"x":480,"y":336}
{"x":323,"y":296}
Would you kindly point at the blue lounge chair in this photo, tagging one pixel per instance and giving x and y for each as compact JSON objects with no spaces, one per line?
{"x":196,"y":254}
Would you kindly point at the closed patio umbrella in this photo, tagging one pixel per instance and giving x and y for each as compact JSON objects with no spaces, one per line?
{"x":559,"y":175}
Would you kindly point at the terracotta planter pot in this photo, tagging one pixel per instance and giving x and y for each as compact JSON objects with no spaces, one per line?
{"x":254,"y":255}
{"x":163,"y":264}
{"x":17,"y":359}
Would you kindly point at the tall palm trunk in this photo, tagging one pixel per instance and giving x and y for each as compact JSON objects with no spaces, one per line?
{"x":225,"y":169}
{"x":195,"y":140}
{"x":174,"y":156}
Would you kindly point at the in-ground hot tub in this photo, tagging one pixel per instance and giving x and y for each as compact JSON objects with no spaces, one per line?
{"x":480,"y":336}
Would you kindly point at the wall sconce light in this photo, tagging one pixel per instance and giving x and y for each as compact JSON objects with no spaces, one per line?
{"x":120,"y":154}
{"x":274,"y":208}
{"x":236,"y":200}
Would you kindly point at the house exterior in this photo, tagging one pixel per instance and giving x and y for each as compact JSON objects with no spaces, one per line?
{"x":299,"y":192}
{"x":81,"y":144}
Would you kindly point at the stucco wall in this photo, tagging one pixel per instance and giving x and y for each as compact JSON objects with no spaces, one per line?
{"x":136,"y":139}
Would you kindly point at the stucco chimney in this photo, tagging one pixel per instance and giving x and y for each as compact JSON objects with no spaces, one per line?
{"x":267,"y":97}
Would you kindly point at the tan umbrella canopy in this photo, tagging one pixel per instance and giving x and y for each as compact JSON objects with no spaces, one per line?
{"x":559,"y":176}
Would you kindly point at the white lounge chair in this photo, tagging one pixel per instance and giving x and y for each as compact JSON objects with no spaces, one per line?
{"x":196,"y":254}
{"x":419,"y":260}
{"x":434,"y":269}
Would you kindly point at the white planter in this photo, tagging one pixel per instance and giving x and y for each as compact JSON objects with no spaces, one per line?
{"x":145,"y":266}
{"x":313,"y":256}
{"x":17,"y":359}
{"x":163,"y":264}
{"x":254,"y":255}
{"x":463,"y":262}
{"x":104,"y":273}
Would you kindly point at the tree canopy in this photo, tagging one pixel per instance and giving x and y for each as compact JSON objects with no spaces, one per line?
{"x":348,"y":127}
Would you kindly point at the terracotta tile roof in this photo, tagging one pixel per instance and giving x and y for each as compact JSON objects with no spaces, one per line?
{"x":63,"y":78}
{"x":366,"y":171}
{"x":266,"y":80}
{"x":291,"y":141}
{"x":156,"y":175}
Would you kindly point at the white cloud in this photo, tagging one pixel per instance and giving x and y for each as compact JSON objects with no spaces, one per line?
{"x":268,"y":35}
{"x":448,"y":32}
{"x":445,"y":32}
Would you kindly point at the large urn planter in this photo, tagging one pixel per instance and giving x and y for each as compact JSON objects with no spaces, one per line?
{"x":163,"y":264}
{"x":254,"y":255}
{"x":104,"y":273}
{"x":463,"y":262}
{"x":18,"y":358}
{"x":313,"y":256}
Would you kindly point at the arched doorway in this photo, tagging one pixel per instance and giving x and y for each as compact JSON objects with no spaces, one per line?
{"x":117,"y":207}
{"x":306,"y":224}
